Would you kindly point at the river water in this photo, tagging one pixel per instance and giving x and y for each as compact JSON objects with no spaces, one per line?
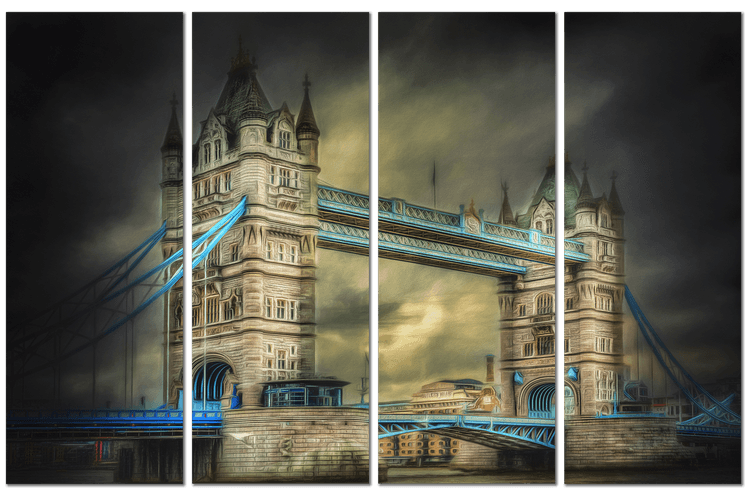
{"x":437,"y":475}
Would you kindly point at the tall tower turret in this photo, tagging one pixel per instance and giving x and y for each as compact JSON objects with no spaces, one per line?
{"x":307,"y":129}
{"x":506,"y":214}
{"x":171,"y":208}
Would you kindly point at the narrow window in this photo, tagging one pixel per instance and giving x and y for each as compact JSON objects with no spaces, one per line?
{"x":206,"y":153}
{"x":212,"y":310}
{"x":293,"y":351}
{"x":217,"y":182}
{"x":269,"y":250}
{"x":285,"y":177}
{"x":269,"y":349}
{"x":567,"y":346}
{"x":544,"y":304}
{"x":213,"y":257}
{"x":285,"y":138}
{"x":269,"y":305}
{"x":227,"y":181}
{"x":196,"y":316}
{"x":528,"y":349}
{"x":293,"y":254}
{"x":521,"y":310}
{"x":281,"y":359}
{"x":281,"y":309}
{"x":217,"y":150}
{"x":272,"y":176}
{"x":539,"y":225}
{"x":549,"y":227}
{"x":545,"y":345}
{"x":281,"y":252}
{"x":235,"y":252}
{"x":228,"y":310}
{"x":292,"y":310}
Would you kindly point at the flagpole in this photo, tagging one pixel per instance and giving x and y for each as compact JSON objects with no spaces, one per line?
{"x":434,"y":187}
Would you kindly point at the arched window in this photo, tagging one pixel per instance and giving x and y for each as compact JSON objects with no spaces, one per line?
{"x":539,"y":225}
{"x":544,"y":304}
{"x":549,"y":227}
{"x":207,"y":153}
{"x":217,"y":150}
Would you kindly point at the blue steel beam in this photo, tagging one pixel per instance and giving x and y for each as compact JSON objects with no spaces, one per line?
{"x":481,"y":429}
{"x":400,"y":218}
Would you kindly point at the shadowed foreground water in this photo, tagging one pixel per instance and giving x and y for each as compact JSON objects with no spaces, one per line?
{"x":438,"y":475}
{"x":697,"y":475}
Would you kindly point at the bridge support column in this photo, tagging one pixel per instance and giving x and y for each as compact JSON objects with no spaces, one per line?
{"x":473,"y":457}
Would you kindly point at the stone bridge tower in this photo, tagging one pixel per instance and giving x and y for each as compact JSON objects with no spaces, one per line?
{"x":253,"y":301}
{"x":172,"y":214}
{"x":527,"y":318}
{"x":593,"y":304}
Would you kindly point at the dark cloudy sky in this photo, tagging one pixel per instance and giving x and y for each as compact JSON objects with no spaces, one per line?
{"x":334,"y":50}
{"x":87,"y":108}
{"x":476,"y":94}
{"x":657,"y":98}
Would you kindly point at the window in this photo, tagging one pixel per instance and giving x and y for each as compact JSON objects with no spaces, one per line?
{"x":196,"y":316}
{"x":234,"y":251}
{"x":568,"y":303}
{"x":281,"y":359}
{"x":604,"y":345}
{"x":544,"y":304}
{"x":217,"y":184}
{"x":212,"y":310}
{"x":228,"y":310}
{"x":605,"y":220}
{"x":292,"y":310}
{"x":213,"y":257}
{"x":522,"y":310}
{"x":269,"y":304}
{"x":539,"y":225}
{"x":269,"y":349}
{"x":269,"y":250}
{"x":281,"y":252}
{"x":605,"y":385}
{"x":227,"y":181}
{"x":293,"y":351}
{"x":272,"y":176}
{"x":217,"y":150}
{"x":528,"y":349}
{"x":545,"y":345}
{"x":293,"y":254}
{"x":206,"y":153}
{"x":567,"y":346}
{"x":206,"y":187}
{"x":549,"y":227}
{"x":196,"y":192}
{"x":288,"y":178}
{"x":281,"y":309}
{"x":603,"y":303}
{"x":285,"y":138}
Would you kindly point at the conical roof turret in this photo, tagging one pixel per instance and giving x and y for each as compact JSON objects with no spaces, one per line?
{"x":585,"y":197}
{"x":242,"y":96}
{"x":614,"y":198}
{"x":506,"y":214}
{"x":173,"y":138}
{"x":307,"y":128}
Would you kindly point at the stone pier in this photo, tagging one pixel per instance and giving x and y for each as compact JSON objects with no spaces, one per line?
{"x":314,"y":444}
{"x":623,"y":443}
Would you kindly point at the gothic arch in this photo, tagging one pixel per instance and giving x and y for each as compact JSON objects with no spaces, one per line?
{"x":576,"y":396}
{"x":522,"y":404}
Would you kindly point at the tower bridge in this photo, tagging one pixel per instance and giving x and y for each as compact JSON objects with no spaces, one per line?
{"x":259,"y":217}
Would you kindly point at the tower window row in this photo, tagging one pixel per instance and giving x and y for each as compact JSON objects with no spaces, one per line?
{"x":213,"y":312}
{"x":281,"y":309}
{"x":281,"y":252}
{"x":545,"y":345}
{"x":208,"y":157}
{"x":281,"y":176}
{"x":548,"y":227}
{"x":213,"y":258}
{"x":604,"y":345}
{"x":220,"y":183}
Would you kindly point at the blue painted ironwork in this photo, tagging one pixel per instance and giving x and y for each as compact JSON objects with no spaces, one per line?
{"x":573,"y":374}
{"x":541,"y":401}
{"x":518,"y":377}
{"x":694,"y":392}
{"x":539,"y":433}
{"x":215,"y":371}
{"x":445,"y":255}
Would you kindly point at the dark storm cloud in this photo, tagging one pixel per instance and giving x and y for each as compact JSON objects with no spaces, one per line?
{"x":657,"y":98}
{"x":87,"y":108}
{"x":476,"y":94}
{"x":334,"y":50}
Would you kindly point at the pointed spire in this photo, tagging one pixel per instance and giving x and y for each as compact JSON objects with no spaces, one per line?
{"x":506,"y":214}
{"x":614,"y":198}
{"x":242,"y":59}
{"x":306,"y":125}
{"x":585,"y":197}
{"x":173,"y":138}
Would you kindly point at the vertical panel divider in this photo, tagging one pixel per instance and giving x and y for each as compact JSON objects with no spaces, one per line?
{"x":187,"y":280}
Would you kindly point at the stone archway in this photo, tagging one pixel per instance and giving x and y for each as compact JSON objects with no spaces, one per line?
{"x":541,"y":401}
{"x":208,"y":382}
